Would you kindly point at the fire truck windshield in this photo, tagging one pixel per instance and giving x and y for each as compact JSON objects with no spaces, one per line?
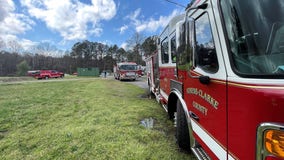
{"x":128,"y":67}
{"x":255,"y":30}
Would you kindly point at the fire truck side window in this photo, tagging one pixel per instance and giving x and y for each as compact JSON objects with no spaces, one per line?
{"x":206,"y":57}
{"x":165,"y":50}
{"x":184,"y":51}
{"x":173,"y":49}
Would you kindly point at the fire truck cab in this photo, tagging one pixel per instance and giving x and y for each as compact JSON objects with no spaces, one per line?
{"x":125,"y":71}
{"x":221,"y":78}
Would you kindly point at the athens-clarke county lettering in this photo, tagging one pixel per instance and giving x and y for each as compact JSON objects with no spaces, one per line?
{"x":207,"y":97}
{"x":200,"y":108}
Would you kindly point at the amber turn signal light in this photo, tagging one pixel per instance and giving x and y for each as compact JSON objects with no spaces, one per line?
{"x":274,"y":142}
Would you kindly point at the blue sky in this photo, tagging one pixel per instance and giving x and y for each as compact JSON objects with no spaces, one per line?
{"x":65,"y":22}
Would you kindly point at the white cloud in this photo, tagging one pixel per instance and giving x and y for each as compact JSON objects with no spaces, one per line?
{"x":6,"y":7}
{"x":28,"y":44}
{"x":12,"y":23}
{"x":73,"y":19}
{"x":134,"y":16}
{"x":150,"y":25}
{"x":123,"y":29}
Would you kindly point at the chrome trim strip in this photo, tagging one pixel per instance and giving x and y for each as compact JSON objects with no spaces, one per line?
{"x":211,"y":143}
{"x":164,"y":94}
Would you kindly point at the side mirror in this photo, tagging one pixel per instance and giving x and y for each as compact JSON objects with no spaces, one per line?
{"x":202,"y":6}
{"x":204,"y":79}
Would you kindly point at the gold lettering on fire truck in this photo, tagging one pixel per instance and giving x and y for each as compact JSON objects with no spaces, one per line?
{"x":200,"y":108}
{"x":207,"y":97}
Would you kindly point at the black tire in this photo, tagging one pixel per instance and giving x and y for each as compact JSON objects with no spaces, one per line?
{"x":182,"y":133}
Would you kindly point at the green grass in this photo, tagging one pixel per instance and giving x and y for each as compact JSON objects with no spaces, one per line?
{"x":84,"y":119}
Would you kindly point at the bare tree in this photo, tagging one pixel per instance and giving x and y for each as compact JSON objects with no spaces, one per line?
{"x":2,"y":44}
{"x":135,"y":43}
{"x":14,"y":46}
{"x":135,"y":40}
{"x":46,"y":49}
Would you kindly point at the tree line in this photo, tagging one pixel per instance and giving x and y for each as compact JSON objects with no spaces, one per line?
{"x":83,"y":54}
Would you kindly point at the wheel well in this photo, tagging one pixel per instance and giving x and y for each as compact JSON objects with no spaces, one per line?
{"x":172,"y":105}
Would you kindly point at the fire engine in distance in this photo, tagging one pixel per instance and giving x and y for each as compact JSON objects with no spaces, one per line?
{"x":126,"y":71}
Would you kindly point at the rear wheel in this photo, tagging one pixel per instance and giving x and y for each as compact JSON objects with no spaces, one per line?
{"x":182,"y":133}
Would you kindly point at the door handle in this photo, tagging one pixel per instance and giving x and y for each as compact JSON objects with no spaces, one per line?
{"x":202,"y":79}
{"x":194,"y":116}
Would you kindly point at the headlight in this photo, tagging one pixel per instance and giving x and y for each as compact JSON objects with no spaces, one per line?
{"x":274,"y":142}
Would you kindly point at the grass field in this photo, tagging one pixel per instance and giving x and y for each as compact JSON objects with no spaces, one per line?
{"x":84,"y":119}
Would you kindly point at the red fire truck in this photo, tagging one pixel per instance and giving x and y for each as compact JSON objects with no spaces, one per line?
{"x":46,"y":74}
{"x":219,"y":73}
{"x":125,"y":71}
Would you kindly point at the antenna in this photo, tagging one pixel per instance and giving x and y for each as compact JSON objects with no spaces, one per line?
{"x":176,"y":3}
